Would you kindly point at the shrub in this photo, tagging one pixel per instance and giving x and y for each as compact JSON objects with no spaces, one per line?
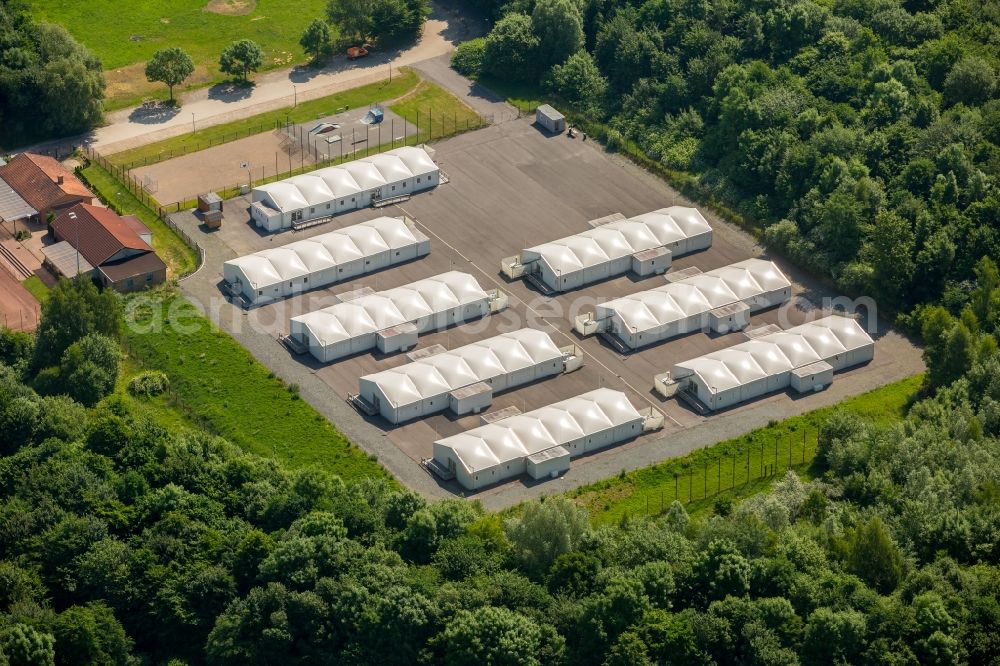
{"x":149,"y":383}
{"x":468,"y":57}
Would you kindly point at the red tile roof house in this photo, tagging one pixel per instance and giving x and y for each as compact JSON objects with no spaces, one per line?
{"x":118,"y":247}
{"x":45,"y":184}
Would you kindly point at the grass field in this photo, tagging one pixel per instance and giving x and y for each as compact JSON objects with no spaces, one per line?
{"x":36,"y":288}
{"x":180,"y":258}
{"x":362,"y":96}
{"x":436,"y":112}
{"x":734,"y":468}
{"x":216,"y":384}
{"x":525,"y":96}
{"x":125,"y":35}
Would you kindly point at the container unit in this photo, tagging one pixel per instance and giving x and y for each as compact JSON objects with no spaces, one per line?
{"x":613,"y":249}
{"x":323,"y":260}
{"x":349,"y":186}
{"x":719,"y":300}
{"x":550,"y":119}
{"x":492,"y":453}
{"x":436,"y":383}
{"x":433,"y":303}
{"x":813,"y":377}
{"x":803,"y":357}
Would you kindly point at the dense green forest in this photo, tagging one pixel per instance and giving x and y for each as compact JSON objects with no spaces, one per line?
{"x":861,"y":136}
{"x":124,"y":543}
{"x":50,"y":85}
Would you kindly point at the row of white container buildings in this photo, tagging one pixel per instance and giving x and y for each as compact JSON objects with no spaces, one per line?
{"x":541,"y":442}
{"x":643,"y":244}
{"x":465,"y":379}
{"x":719,"y":300}
{"x":391,"y":320}
{"x":803,"y":358}
{"x":325,"y":259}
{"x":346,"y":187}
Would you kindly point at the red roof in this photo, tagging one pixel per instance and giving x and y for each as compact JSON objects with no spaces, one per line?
{"x":102,"y":233}
{"x":36,"y":180}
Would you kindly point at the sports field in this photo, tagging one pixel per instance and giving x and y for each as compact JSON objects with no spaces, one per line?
{"x":124,"y":35}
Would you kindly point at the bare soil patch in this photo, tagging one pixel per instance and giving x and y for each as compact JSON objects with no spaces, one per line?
{"x":231,"y":7}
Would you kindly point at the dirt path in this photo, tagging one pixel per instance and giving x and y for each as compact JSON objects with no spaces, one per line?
{"x":18,"y":308}
{"x":219,"y":104}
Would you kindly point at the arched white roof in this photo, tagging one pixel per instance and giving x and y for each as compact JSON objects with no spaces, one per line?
{"x":525,"y":434}
{"x":416,"y":159}
{"x":619,"y":239}
{"x":697,"y":294}
{"x":467,"y":365}
{"x":283,"y":196}
{"x":339,"y":180}
{"x":384,"y":309}
{"x":304,"y":257}
{"x":325,"y":185}
{"x":776,"y":353}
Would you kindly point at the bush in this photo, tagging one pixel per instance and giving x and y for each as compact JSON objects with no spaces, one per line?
{"x":468,"y":57}
{"x":149,"y":383}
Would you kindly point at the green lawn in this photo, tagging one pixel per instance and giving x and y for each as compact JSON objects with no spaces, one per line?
{"x":180,"y":258}
{"x":735,"y":468}
{"x":436,"y":112}
{"x":402,"y":83}
{"x":36,"y":288}
{"x":125,"y":35}
{"x":216,"y":384}
{"x":525,"y":96}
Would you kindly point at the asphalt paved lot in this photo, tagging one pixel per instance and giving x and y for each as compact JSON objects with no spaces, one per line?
{"x":511,"y":187}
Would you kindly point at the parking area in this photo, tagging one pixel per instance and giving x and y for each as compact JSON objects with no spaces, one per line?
{"x":279,"y":151}
{"x":513,"y":187}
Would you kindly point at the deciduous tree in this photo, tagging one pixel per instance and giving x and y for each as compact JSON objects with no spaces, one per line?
{"x":171,"y":66}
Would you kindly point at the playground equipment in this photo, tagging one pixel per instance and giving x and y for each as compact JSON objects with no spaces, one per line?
{"x":324,"y":128}
{"x":374,"y":116}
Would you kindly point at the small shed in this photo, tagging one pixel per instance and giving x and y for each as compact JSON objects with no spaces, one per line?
{"x":209,"y":202}
{"x":813,"y":377}
{"x":548,"y":463}
{"x":470,"y":399}
{"x":550,"y":119}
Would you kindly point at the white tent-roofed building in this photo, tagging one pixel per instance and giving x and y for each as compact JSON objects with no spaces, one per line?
{"x":325,"y":259}
{"x":643,"y":244}
{"x":430,"y":385}
{"x":541,"y":442}
{"x":803,"y":357}
{"x":720,"y":300}
{"x":391,"y":320}
{"x":349,"y":186}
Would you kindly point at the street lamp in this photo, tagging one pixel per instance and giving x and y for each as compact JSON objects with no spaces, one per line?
{"x":192,"y":122}
{"x":295,"y":93}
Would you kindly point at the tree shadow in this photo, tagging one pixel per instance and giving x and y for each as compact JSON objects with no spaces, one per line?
{"x":154,"y":113}
{"x":231,"y":91}
{"x":307,"y":72}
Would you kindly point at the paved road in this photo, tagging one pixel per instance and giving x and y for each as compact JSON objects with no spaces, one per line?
{"x":485,"y":102}
{"x":221,"y":103}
